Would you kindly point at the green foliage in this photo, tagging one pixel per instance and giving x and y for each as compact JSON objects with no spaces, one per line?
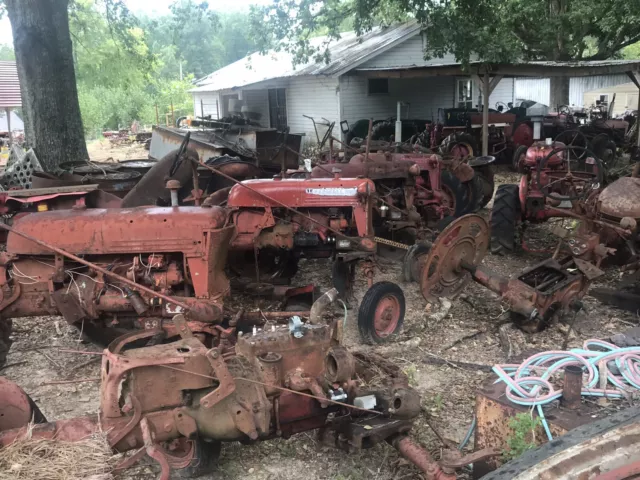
{"x":125,"y":66}
{"x":7,"y":53}
{"x":632,"y":52}
{"x":522,"y":437}
{"x":493,"y":30}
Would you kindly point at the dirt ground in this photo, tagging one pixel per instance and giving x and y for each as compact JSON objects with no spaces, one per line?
{"x":469,"y":333}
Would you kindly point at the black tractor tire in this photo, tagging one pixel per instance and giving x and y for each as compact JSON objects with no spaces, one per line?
{"x":5,"y":339}
{"x":604,"y":148}
{"x":379,"y":292}
{"x":515,"y":161}
{"x":462,"y":138}
{"x":505,"y":218}
{"x":383,"y":131}
{"x":485,"y":174}
{"x":205,"y":460}
{"x":410,"y":263}
{"x":465,"y":196}
{"x":531,"y":458}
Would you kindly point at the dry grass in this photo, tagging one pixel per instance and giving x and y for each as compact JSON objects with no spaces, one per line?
{"x":38,"y":459}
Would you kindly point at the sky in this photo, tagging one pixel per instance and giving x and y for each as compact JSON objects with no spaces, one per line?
{"x":151,"y":8}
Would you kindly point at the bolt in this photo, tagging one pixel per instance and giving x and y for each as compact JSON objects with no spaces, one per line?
{"x":215,"y":354}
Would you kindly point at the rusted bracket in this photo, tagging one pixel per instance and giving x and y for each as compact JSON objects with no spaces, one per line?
{"x":455,"y":461}
{"x":154,"y":451}
{"x":131,"y":424}
{"x":181,"y":324}
{"x":227,"y":385}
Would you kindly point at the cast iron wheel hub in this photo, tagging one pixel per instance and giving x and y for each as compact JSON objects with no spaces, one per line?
{"x":461,"y":245}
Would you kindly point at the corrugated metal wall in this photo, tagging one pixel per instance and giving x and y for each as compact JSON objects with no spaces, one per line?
{"x":537,"y":89}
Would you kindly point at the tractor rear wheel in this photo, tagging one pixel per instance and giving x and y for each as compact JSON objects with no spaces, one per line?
{"x":505,"y":218}
{"x":485,"y":174}
{"x":464,"y":195}
{"x":381,"y":313}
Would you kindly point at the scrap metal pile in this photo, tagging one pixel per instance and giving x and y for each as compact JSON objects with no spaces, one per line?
{"x":150,"y":274}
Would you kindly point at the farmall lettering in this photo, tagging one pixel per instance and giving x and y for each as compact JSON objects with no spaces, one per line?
{"x":333,"y":192}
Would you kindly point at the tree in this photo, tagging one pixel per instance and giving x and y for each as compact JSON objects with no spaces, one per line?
{"x":492,"y":30}
{"x":44,"y":58}
{"x":6,"y":53}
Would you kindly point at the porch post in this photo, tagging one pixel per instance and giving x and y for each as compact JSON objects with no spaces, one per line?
{"x":485,"y":114}
{"x":635,"y":78}
{"x":8,"y":113}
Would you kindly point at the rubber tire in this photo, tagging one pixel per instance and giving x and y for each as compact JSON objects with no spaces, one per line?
{"x":408,"y":262}
{"x":505,"y":217}
{"x":5,"y":339}
{"x":574,"y":437}
{"x":368,"y":307}
{"x":485,"y":173}
{"x":205,"y":460}
{"x":464,"y":138}
{"x":464,"y":202}
{"x":514,"y":161}
{"x":600,"y":144}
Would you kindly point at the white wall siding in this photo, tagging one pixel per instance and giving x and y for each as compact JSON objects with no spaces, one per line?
{"x":537,"y":89}
{"x":424,"y":95}
{"x":409,"y":52}
{"x":316,"y":97}
{"x":258,"y":101}
{"x":502,"y":93}
{"x":579,"y":85}
{"x":207,"y":102}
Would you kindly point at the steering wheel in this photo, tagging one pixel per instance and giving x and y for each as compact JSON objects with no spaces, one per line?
{"x":574,"y":138}
{"x":575,"y":184}
{"x":564,"y":109}
{"x":501,"y":106}
{"x":178,"y":160}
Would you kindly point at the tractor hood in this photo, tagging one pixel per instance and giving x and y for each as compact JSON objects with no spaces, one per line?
{"x":621,"y":198}
{"x":296,"y":193}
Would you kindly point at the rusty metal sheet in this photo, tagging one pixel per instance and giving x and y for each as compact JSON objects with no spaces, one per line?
{"x":621,"y":198}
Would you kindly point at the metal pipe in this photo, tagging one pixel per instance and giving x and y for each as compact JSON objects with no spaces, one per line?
{"x":366,"y":152}
{"x":420,"y":458}
{"x":572,"y":387}
{"x":485,"y":114}
{"x":104,"y":271}
{"x":321,"y":304}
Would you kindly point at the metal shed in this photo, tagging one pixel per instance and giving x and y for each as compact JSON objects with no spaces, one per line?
{"x":489,"y":75}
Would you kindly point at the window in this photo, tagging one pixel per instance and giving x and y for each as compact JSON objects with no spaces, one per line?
{"x":464,"y":93}
{"x":278,"y":108}
{"x":602,"y":99}
{"x":378,"y":86}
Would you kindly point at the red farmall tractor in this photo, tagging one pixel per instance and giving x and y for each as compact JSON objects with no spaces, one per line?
{"x":556,"y":178}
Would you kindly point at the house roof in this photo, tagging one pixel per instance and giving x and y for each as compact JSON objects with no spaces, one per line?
{"x":344,"y":55}
{"x":9,"y":85}
{"x":517,"y":69}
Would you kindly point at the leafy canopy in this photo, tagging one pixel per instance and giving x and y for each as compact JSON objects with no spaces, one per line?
{"x":493,"y":30}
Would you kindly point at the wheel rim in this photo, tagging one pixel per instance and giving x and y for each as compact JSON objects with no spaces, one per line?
{"x":387,"y":316}
{"x":461,"y":150}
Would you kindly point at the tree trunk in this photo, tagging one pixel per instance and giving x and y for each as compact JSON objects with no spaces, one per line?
{"x":42,"y":42}
{"x":559,"y":92}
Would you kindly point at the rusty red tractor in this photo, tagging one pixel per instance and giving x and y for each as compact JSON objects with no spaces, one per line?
{"x":556,"y":178}
{"x":160,"y":261}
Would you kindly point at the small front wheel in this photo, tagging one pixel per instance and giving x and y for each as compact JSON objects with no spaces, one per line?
{"x":381,"y":313}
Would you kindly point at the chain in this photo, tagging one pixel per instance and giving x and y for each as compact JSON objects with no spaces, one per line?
{"x":391,"y":243}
